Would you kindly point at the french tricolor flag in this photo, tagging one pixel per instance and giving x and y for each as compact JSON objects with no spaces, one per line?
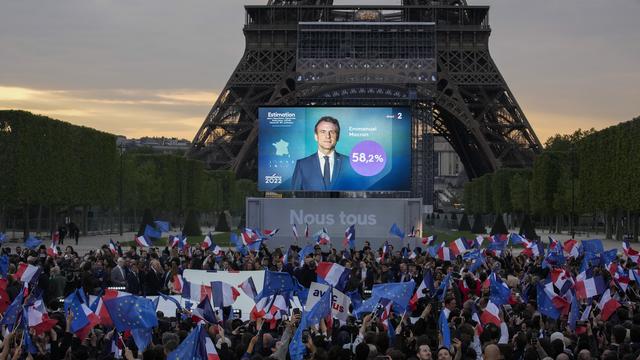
{"x":270,"y":233}
{"x":491,"y":314}
{"x":27,"y":273}
{"x":206,"y":243}
{"x":631,"y":253}
{"x":93,"y":321}
{"x":173,"y":241}
{"x":607,"y":305}
{"x":112,"y":247}
{"x":588,"y":287}
{"x":223,"y":294}
{"x":428,"y":240}
{"x":210,"y":349}
{"x":249,"y":288}
{"x":562,"y":280}
{"x":323,"y":237}
{"x":479,"y":240}
{"x":517,"y":239}
{"x":385,"y":250}
{"x":572,"y":248}
{"x":195,"y":292}
{"x":178,"y":283}
{"x":333,"y":274}
{"x":533,"y":249}
{"x":38,"y":317}
{"x":444,"y":253}
{"x":249,"y":236}
{"x":143,"y":241}
{"x":295,"y":231}
{"x":458,"y":247}
{"x":100,"y":309}
{"x":53,"y":250}
{"x":425,"y":284}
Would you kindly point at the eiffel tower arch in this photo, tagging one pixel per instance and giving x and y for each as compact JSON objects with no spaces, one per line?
{"x":432,"y":56}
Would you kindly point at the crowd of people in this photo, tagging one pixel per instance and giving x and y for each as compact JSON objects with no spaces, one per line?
{"x":460,"y":289}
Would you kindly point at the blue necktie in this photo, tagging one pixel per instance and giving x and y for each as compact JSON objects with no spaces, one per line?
{"x":327,"y":172}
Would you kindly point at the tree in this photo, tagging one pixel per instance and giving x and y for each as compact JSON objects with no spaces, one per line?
{"x":478,"y":225}
{"x":464,"y":223}
{"x":192,"y":225}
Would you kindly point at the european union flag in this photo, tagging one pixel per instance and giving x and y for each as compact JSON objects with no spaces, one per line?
{"x":356,"y":299}
{"x":28,"y":343}
{"x":471,"y":255}
{"x":255,"y":246}
{"x":207,"y":310}
{"x":545,"y":305}
{"x":399,"y":293}
{"x":142,"y":337}
{"x":3,"y":238}
{"x":592,"y":246}
{"x":11,"y":314}
{"x":32,"y":242}
{"x":162,"y":225}
{"x":395,"y":230}
{"x":151,"y":232}
{"x":574,"y":314}
{"x":278,"y":283}
{"x":304,"y":252}
{"x":131,"y":312}
{"x":477,"y":263}
{"x":555,"y":257}
{"x":4,"y":266}
{"x":74,"y":303}
{"x":433,"y":251}
{"x":609,"y":256}
{"x":443,"y":324}
{"x":499,"y":291}
{"x":170,"y":298}
{"x":442,"y":289}
{"x":320,"y":310}
{"x":189,"y":348}
{"x":238,"y":243}
{"x":428,"y":281}
{"x":497,"y":246}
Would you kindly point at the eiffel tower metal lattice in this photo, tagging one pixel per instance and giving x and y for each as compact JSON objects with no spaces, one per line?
{"x":430,"y":55}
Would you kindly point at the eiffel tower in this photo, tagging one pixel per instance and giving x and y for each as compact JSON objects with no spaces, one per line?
{"x":430,"y":55}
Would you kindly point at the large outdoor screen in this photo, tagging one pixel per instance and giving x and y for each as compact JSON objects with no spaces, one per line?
{"x":334,"y":149}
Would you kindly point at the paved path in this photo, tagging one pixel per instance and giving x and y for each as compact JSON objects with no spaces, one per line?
{"x":93,"y":242}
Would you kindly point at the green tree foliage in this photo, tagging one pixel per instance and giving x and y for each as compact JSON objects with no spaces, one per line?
{"x":464,"y":223}
{"x":478,"y":225}
{"x":192,"y":225}
{"x":519,"y":191}
{"x":51,"y":163}
{"x":587,"y":172}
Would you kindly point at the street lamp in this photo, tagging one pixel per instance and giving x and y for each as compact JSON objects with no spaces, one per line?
{"x":121,"y":147}
{"x":573,"y":201}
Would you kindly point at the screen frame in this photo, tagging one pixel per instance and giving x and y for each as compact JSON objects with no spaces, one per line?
{"x":409,"y":110}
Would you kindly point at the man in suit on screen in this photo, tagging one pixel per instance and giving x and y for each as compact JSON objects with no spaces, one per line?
{"x":325,"y":169}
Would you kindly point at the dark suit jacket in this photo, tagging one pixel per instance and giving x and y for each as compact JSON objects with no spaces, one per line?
{"x":153,"y":283}
{"x":307,"y":174}
{"x":133,"y":283}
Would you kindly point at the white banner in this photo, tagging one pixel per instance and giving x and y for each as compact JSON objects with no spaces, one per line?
{"x":340,"y":305}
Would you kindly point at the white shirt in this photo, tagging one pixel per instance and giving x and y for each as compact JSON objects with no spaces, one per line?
{"x":332,"y":157}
